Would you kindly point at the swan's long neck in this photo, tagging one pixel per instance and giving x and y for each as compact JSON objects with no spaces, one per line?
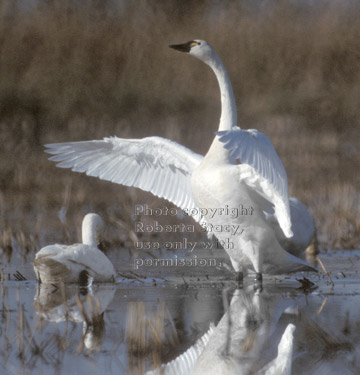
{"x":89,"y":234}
{"x":91,"y":230}
{"x":228,"y":117}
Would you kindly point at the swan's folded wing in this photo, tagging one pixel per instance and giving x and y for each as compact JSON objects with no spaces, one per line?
{"x":269,"y":180}
{"x":153,"y":164}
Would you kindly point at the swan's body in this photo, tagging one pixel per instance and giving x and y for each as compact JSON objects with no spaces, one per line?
{"x":191,"y":181}
{"x":76,"y":263}
{"x":303,"y":227}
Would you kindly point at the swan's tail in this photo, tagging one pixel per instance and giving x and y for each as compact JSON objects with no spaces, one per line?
{"x":288,"y":264}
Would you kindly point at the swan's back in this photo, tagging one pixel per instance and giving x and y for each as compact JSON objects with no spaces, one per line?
{"x":47,"y":268}
{"x":72,"y":264}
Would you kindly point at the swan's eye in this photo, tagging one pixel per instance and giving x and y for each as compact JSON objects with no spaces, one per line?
{"x":193,"y":44}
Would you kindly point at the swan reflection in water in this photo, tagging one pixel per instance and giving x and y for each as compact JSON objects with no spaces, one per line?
{"x":267,"y":332}
{"x":248,"y":339}
{"x":60,"y":303}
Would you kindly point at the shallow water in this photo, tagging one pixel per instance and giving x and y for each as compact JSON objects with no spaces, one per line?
{"x":152,"y":316}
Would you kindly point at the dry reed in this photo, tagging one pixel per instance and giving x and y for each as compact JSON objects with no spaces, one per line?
{"x":149,"y":335}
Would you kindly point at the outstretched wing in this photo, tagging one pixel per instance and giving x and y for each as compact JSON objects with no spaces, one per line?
{"x":255,"y":149}
{"x":153,"y":164}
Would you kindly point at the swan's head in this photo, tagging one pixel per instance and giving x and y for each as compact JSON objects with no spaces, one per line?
{"x":197,"y":48}
{"x":93,"y":228}
{"x":94,"y":332}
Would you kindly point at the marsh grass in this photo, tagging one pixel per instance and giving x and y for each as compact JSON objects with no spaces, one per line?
{"x":149,"y":335}
{"x":29,"y":343}
{"x":84,"y":70}
{"x":20,"y":350}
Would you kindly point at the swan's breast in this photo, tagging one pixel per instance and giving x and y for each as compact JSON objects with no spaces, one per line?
{"x":218,"y":184}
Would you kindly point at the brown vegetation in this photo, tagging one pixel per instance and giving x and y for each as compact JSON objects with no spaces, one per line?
{"x":80,"y":70}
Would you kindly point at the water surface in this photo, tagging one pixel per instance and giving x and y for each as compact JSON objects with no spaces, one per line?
{"x":151,"y":317}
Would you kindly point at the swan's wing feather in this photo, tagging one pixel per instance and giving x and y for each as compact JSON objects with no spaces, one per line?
{"x":283,"y":362}
{"x":255,"y":149}
{"x":185,"y":363}
{"x":153,"y":164}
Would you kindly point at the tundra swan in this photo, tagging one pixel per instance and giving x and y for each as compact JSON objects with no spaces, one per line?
{"x":216,"y":181}
{"x":76,"y":263}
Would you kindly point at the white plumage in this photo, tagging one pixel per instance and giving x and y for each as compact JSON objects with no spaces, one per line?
{"x":282,"y":364}
{"x":303,"y":228}
{"x":153,"y":164}
{"x":185,"y":363}
{"x":253,"y":148}
{"x":190,"y":181}
{"x":242,"y":342}
{"x":79,"y":262}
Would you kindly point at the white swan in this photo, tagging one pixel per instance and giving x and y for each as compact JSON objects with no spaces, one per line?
{"x":216,"y":181}
{"x":76,"y":263}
